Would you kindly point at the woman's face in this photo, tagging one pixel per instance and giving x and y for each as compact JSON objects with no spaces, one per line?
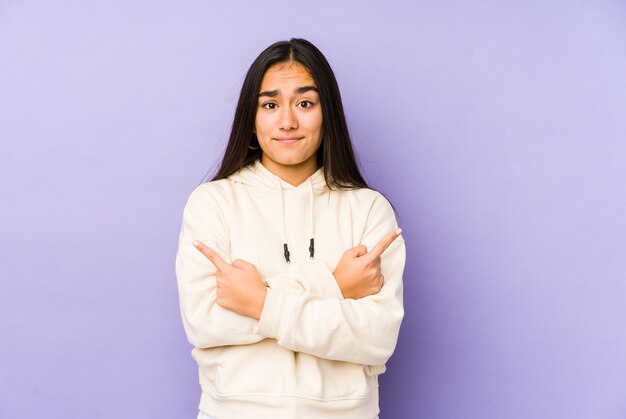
{"x":289,"y":120}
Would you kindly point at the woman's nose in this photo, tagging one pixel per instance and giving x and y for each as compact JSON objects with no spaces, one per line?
{"x":288,"y":119}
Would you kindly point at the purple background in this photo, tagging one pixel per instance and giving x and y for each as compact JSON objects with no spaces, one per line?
{"x":498,"y":130}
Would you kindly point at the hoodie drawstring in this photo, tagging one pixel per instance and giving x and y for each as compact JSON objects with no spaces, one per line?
{"x":311,"y":226}
{"x":312,"y":240}
{"x":282,"y":209}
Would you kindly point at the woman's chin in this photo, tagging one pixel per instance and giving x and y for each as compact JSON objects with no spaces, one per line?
{"x":291,"y":160}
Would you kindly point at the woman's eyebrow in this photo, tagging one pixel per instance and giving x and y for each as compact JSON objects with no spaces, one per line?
{"x":270,"y":93}
{"x":297,"y":90}
{"x":305,"y":89}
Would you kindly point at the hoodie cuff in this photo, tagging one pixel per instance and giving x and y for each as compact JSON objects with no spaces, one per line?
{"x":269,"y":323}
{"x":322,"y":281}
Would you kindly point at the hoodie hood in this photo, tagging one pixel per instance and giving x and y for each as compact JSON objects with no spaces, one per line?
{"x":257,"y":176}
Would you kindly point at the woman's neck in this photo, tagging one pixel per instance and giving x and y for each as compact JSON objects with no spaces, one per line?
{"x":294,"y":174}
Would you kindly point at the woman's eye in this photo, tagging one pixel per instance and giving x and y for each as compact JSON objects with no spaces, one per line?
{"x":269,"y":105}
{"x":306,"y":104}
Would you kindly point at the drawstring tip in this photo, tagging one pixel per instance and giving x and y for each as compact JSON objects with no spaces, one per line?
{"x":286,"y":252}
{"x":311,"y":248}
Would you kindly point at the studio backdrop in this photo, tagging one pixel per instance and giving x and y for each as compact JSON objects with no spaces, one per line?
{"x":497,"y":129}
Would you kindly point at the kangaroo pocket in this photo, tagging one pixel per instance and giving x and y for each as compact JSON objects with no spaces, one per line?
{"x":267,"y":369}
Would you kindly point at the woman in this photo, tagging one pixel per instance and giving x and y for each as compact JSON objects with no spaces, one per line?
{"x":289,"y":267}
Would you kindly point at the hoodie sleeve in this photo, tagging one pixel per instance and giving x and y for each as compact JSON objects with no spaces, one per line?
{"x":363,"y":331}
{"x":206,"y":323}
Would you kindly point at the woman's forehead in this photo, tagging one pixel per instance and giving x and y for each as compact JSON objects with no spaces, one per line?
{"x":286,"y":74}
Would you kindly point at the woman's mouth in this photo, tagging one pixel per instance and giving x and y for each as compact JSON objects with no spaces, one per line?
{"x":288,"y":140}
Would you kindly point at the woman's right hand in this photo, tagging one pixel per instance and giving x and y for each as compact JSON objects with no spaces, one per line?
{"x":358,"y":271}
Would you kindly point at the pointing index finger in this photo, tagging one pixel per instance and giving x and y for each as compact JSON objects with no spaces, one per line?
{"x":384,"y":243}
{"x":212,"y":255}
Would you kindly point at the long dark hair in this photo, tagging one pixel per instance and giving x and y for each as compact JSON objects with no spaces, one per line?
{"x":335,"y":153}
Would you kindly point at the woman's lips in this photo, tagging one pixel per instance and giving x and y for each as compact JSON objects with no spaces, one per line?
{"x":288,"y":140}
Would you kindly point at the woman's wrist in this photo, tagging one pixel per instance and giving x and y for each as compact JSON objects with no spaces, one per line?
{"x":259,"y":303}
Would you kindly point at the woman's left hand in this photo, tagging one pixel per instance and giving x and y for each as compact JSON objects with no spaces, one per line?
{"x":239,"y":285}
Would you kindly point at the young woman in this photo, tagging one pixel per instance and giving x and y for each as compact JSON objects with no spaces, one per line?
{"x":289,"y":267}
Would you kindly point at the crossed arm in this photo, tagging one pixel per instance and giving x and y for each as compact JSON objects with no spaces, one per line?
{"x":240,"y":288}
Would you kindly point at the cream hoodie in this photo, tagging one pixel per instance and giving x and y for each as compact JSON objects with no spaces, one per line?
{"x":313,"y":354}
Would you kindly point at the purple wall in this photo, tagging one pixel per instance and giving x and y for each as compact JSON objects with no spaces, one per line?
{"x":498,"y":131}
